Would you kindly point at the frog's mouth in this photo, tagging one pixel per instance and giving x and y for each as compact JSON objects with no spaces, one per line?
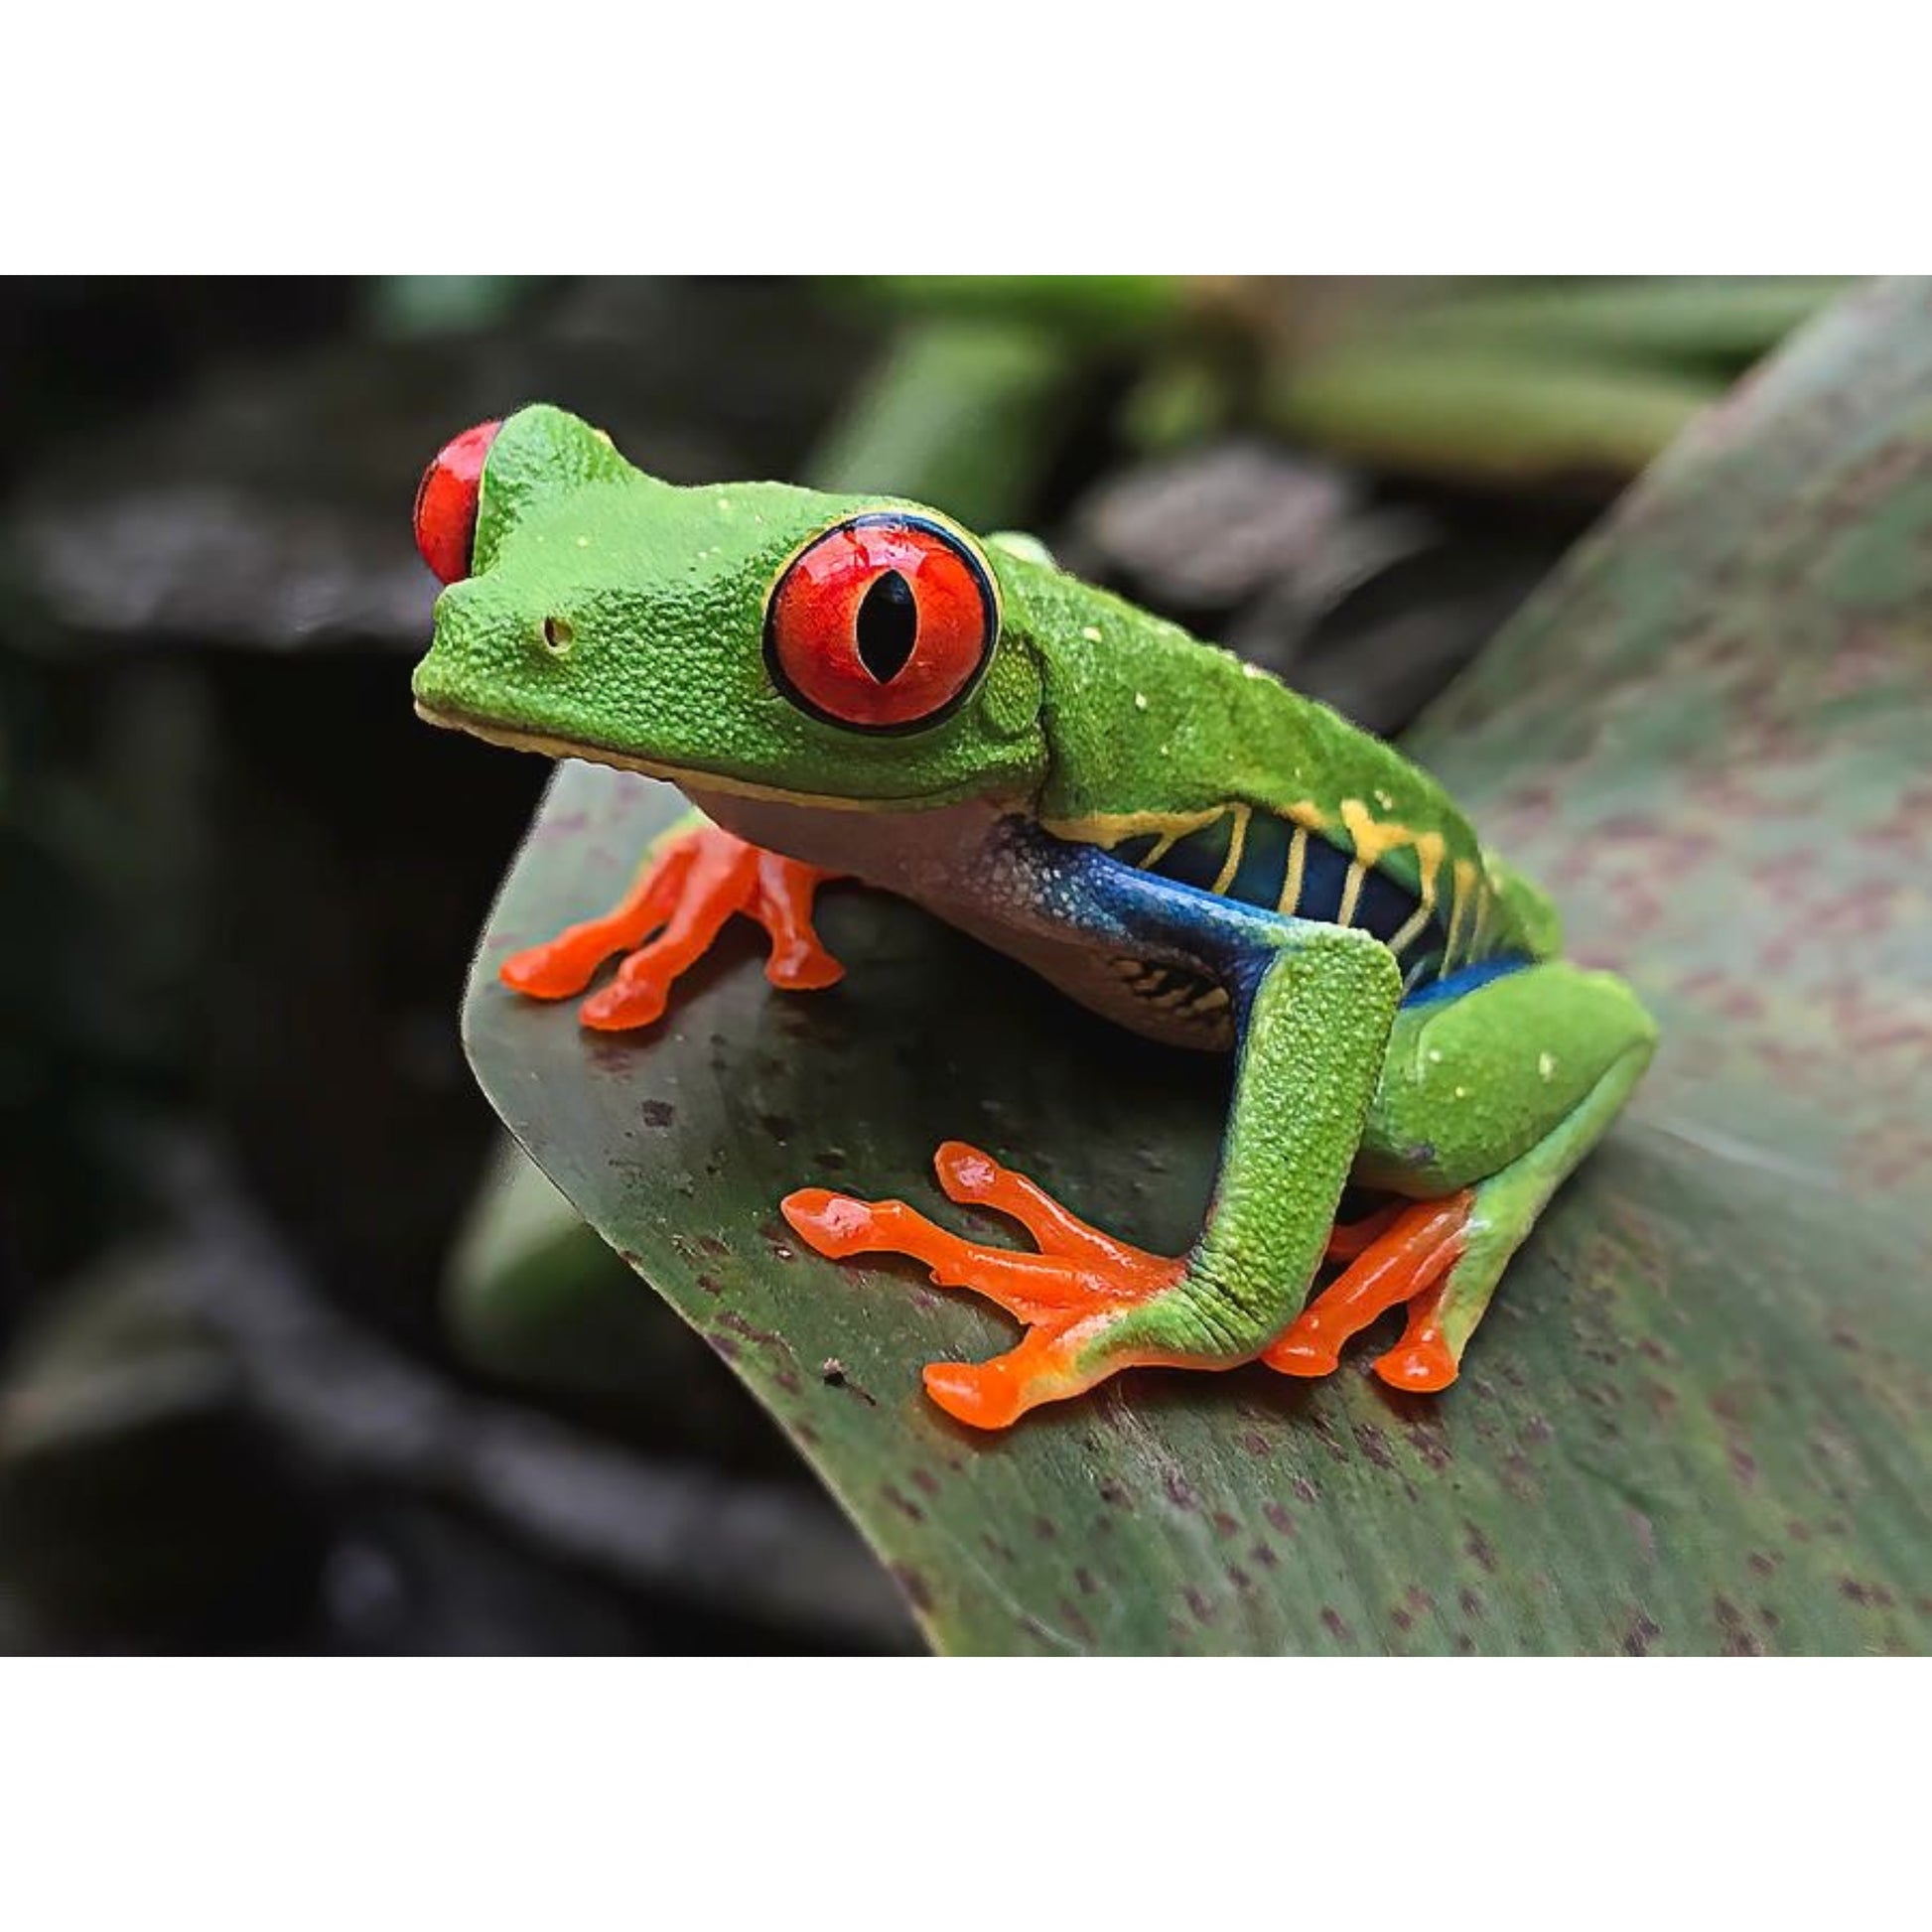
{"x":686,"y":777}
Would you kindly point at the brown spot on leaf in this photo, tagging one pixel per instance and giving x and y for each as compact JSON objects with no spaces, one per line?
{"x":918,"y":1593}
{"x":1642,"y":1633}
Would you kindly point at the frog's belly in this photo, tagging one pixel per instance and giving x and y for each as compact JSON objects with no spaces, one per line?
{"x":1164,"y":1003}
{"x":938,"y":860}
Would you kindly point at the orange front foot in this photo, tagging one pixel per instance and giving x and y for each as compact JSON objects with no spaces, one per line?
{"x":1070,"y":1295}
{"x":692,"y":881}
{"x":1407,"y":1258}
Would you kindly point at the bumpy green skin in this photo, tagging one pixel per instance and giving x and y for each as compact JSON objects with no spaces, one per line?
{"x":1094,"y":718}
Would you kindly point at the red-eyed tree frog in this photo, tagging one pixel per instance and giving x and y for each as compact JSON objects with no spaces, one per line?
{"x":856,"y":686}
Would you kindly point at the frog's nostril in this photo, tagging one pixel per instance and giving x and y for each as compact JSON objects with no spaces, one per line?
{"x":557,"y":635}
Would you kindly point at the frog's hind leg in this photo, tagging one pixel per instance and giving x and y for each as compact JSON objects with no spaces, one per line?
{"x":1487,"y":1102}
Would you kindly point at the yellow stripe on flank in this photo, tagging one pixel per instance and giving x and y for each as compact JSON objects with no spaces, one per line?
{"x":1298,"y":857}
{"x":1411,"y":926}
{"x":1429,"y":858}
{"x":1351,"y":891}
{"x":1107,"y":829}
{"x":1236,"y":840}
{"x":1485,"y":905}
{"x":1429,"y":854}
{"x":1465,"y":879}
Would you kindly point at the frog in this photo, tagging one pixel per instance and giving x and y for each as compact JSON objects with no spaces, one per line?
{"x":847,"y":686}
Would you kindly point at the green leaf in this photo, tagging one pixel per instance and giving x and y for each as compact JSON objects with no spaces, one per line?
{"x":1696,"y":1419}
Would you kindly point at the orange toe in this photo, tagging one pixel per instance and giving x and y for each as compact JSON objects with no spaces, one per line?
{"x":836,"y":1225}
{"x":1302,"y":1354}
{"x":983,"y":1397}
{"x":1424,"y":1366}
{"x":803,"y":969}
{"x":626,"y":1004}
{"x":546,"y":971}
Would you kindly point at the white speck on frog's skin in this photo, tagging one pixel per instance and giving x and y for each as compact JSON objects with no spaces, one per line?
{"x":1140,"y":700}
{"x":1546,"y":1064}
{"x":1383,"y":799}
{"x":1091,"y":633}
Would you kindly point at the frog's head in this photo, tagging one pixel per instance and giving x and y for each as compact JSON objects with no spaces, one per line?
{"x":751,"y":636}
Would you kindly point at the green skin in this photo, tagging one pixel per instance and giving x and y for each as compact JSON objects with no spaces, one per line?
{"x":1091,"y":718}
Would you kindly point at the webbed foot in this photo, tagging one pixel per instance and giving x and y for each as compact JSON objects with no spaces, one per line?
{"x":1406,"y":1257}
{"x":1071,"y":1295}
{"x":693,"y":879}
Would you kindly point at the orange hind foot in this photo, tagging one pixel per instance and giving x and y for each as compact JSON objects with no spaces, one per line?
{"x":692,"y":881}
{"x":1069,"y":1294}
{"x":1407,"y":1257}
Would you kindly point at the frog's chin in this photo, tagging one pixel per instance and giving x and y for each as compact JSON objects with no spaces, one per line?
{"x":686,"y":777}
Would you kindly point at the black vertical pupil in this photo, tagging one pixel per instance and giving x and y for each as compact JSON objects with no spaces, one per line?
{"x":889,"y":625}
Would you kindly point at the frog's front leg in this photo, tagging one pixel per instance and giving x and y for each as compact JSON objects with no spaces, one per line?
{"x":695,"y":875}
{"x":1313,"y":1006}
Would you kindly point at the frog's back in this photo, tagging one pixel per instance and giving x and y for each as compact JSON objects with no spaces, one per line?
{"x":1179,"y":757}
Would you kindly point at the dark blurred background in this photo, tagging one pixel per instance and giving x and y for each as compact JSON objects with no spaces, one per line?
{"x":294,"y":1354}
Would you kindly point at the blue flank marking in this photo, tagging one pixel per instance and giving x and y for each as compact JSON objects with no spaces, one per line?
{"x":1214,"y":936}
{"x":1465,"y":979}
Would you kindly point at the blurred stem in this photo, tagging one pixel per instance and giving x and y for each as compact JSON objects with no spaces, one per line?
{"x":1461,"y":412}
{"x":1726,"y":321}
{"x":1113,"y":310}
{"x":963,"y":414}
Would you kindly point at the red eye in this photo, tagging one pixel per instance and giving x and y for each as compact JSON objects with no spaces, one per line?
{"x":446,"y":502}
{"x":883,"y":624}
